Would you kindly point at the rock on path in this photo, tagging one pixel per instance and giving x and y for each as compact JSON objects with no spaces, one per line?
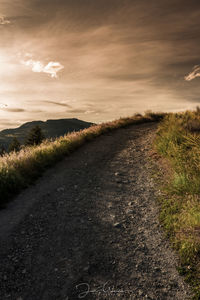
{"x":88,"y":229}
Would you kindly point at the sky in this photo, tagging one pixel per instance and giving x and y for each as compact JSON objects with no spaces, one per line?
{"x":97,"y":60}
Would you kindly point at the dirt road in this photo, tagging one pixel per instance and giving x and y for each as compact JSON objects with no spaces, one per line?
{"x":88,"y":229}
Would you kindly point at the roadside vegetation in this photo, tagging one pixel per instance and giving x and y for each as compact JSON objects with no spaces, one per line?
{"x":35,"y":136}
{"x":14,"y":145}
{"x":178,"y":144}
{"x":18,"y":169}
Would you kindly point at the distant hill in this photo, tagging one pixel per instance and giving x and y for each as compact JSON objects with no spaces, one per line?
{"x":51,"y":129}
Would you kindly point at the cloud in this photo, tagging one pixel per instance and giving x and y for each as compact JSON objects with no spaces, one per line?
{"x":52,"y":68}
{"x":57,"y":103}
{"x":12,"y":109}
{"x":4,"y":20}
{"x":89,"y":112}
{"x":76,"y":111}
{"x":195,"y":73}
{"x":2,"y":105}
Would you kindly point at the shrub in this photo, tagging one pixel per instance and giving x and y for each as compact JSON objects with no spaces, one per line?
{"x":14,"y":145}
{"x":34,"y":137}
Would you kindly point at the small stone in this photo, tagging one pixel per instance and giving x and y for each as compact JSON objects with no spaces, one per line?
{"x":118,"y":225}
{"x":140,"y":292}
{"x":125,"y":181}
{"x":86,"y":268}
{"x":157,"y":269}
{"x":61,"y":189}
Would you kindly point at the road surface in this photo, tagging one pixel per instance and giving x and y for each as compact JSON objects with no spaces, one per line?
{"x":89,"y":229}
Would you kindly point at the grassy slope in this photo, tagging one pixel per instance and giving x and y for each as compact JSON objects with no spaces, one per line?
{"x":18,"y":170}
{"x":178,"y":142}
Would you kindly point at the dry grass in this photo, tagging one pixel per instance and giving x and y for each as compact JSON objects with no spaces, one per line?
{"x":19,"y":169}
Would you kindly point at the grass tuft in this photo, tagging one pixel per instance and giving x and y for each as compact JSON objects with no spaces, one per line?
{"x":178,"y":142}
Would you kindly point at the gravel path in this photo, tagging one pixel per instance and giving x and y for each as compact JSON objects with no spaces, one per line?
{"x":89,"y":228}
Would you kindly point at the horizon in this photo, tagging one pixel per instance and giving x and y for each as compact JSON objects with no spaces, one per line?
{"x":97,"y":123}
{"x":97,"y":61}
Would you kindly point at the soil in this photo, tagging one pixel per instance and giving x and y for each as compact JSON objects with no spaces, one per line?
{"x":89,"y":228}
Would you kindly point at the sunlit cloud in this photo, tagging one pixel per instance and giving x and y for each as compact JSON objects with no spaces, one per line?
{"x":4,"y":20}
{"x":195,"y":73}
{"x":52,"y":68}
{"x":2,"y":105}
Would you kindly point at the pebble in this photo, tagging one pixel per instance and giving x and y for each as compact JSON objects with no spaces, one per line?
{"x":118,"y":225}
{"x":140,"y":292}
{"x":118,"y":180}
{"x":61,"y":189}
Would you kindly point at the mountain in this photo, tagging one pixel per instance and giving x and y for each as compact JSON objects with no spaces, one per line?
{"x":50,"y":128}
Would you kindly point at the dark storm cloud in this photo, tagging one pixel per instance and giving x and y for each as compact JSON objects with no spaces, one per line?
{"x":142,"y":13}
